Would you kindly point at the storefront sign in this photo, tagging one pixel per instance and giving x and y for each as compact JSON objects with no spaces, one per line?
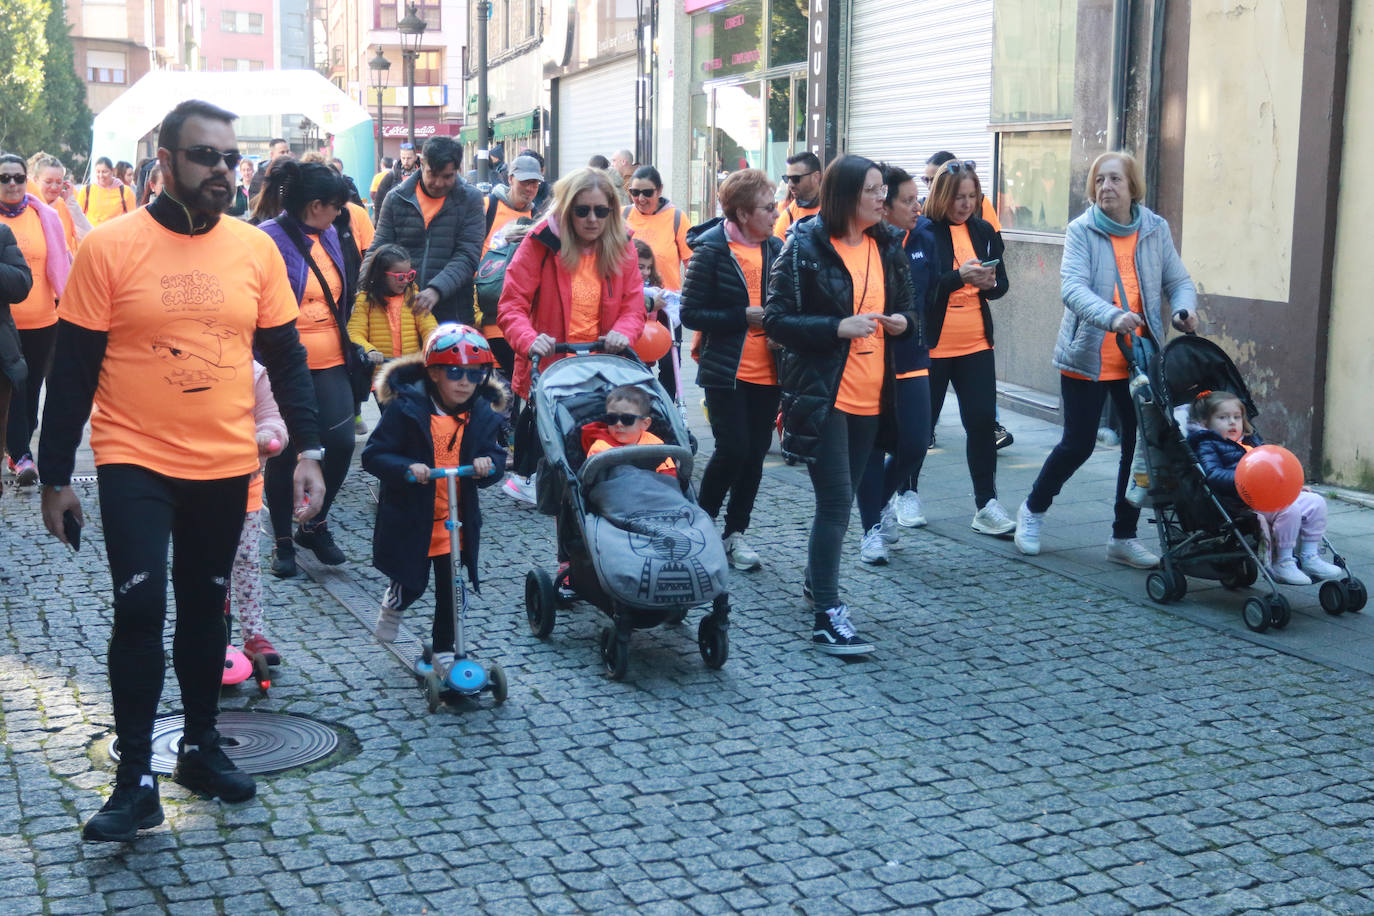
{"x":423,"y":130}
{"x":819,"y":92}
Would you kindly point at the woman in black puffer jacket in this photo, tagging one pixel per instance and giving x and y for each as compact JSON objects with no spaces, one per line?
{"x":840,"y":285}
{"x":722,"y":296}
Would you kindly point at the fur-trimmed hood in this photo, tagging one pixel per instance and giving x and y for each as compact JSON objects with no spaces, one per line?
{"x":408,"y":373}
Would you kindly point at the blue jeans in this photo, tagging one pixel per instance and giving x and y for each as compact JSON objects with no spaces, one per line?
{"x":911,"y":406}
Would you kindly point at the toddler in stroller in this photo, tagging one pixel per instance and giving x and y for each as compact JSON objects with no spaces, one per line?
{"x":632,"y":540}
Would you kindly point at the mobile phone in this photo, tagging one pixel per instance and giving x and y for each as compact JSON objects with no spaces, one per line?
{"x":71,"y":528}
{"x":993,"y":263}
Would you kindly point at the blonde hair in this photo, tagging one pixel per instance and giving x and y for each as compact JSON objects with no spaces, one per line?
{"x":1134,"y":180}
{"x":40,"y":161}
{"x":314,"y":156}
{"x":1206,"y":405}
{"x":610,"y":247}
{"x":945,"y":188}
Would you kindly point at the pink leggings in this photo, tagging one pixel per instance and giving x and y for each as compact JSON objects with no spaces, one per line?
{"x":245,"y":593}
{"x":1306,"y":517}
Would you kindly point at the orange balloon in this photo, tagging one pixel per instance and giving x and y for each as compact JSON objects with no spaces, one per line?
{"x":1269,"y":478}
{"x":654,"y":343}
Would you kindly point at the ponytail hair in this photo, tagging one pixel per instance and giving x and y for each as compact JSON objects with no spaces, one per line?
{"x":291,"y":186}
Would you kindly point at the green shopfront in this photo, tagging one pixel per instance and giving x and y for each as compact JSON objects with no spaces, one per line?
{"x":748,"y":91}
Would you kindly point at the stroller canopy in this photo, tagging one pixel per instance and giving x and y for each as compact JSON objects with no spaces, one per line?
{"x":1192,"y":365}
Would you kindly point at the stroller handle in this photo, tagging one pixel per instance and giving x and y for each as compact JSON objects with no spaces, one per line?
{"x":592,"y":346}
{"x":645,"y":456}
{"x":460,"y":471}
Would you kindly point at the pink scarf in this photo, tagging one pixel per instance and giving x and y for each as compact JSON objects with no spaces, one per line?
{"x":59,"y":259}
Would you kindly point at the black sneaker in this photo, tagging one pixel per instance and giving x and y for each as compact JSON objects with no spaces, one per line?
{"x":208,"y":771}
{"x":1000,"y":437}
{"x":131,"y":808}
{"x":284,"y":559}
{"x":319,"y":540}
{"x":834,"y":634}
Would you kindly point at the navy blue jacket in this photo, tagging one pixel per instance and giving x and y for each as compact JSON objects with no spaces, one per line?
{"x":405,"y":510}
{"x":912,"y":353}
{"x":1219,"y":457}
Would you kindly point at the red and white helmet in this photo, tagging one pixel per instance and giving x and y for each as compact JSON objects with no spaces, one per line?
{"x":453,"y":344}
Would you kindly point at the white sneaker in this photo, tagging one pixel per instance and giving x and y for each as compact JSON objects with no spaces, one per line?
{"x":1108,"y":437}
{"x":1316,"y":568}
{"x":441,"y":661}
{"x":993,"y":519}
{"x":873,"y":551}
{"x":1286,"y":571}
{"x":740,"y":554}
{"x":388,"y":623}
{"x":1028,"y":530}
{"x":1131,"y":552}
{"x":909,"y":514}
{"x":520,"y":488}
{"x":887,"y":524}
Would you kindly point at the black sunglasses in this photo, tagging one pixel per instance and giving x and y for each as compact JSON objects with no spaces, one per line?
{"x":209,"y":157}
{"x":466,"y":373}
{"x":793,"y":179}
{"x":954,"y":166}
{"x":582,"y":210}
{"x":641,"y":192}
{"x":621,"y":419}
{"x":13,"y":179}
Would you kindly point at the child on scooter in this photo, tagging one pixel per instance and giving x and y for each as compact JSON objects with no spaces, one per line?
{"x":440,"y":408}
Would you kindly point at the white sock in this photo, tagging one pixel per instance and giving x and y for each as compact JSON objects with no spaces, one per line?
{"x":147,"y":780}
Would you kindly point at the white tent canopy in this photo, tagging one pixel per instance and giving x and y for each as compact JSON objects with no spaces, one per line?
{"x":117,"y":129}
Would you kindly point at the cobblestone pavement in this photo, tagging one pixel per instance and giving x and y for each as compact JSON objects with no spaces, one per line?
{"x":1021,"y":742}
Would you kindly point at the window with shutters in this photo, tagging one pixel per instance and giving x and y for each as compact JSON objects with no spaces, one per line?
{"x":1032,"y":111}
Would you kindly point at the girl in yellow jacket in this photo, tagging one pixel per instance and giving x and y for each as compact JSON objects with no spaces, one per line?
{"x":385,"y":323}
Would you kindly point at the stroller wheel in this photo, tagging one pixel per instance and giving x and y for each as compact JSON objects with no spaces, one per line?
{"x":713,"y":640}
{"x":1241,"y":575}
{"x":1157,"y":587}
{"x":1280,"y":612}
{"x":1178,"y":584}
{"x":1255,"y":613}
{"x":1358,"y":595}
{"x":541,"y":602}
{"x":615,"y":653}
{"x":1334,"y":596}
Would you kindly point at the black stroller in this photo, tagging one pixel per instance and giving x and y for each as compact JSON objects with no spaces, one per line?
{"x":637,"y":546}
{"x":1198,"y":536}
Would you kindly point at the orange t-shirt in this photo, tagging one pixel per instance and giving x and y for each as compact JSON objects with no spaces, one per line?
{"x":755,"y":360}
{"x":789,"y":215}
{"x":363,"y":230}
{"x":962,"y":333}
{"x":318,"y":329}
{"x":1114,"y":365}
{"x":645,"y":438}
{"x":989,"y":214}
{"x":102,"y":204}
{"x":584,"y":322}
{"x":861,"y":385}
{"x":395,"y":313}
{"x":428,"y":205}
{"x":447,"y":433}
{"x":175,"y":393}
{"x":38,"y":310}
{"x":669,"y":247}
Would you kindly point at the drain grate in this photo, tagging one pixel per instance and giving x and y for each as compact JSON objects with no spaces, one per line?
{"x":258,"y":742}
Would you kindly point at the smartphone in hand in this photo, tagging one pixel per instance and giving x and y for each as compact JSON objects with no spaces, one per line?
{"x":993,"y":263}
{"x":71,"y":529}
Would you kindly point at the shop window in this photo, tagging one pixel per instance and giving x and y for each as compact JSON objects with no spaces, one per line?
{"x":728,"y":41}
{"x":787,"y":32}
{"x":1032,"y":110}
{"x":384,"y":15}
{"x":429,"y":68}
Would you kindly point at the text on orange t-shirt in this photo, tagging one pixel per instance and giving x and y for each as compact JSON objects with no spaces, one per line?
{"x":38,"y":309}
{"x":447,"y":432}
{"x":756,"y":364}
{"x":861,"y":385}
{"x":962,"y":332}
{"x":175,"y":392}
{"x":584,"y":322}
{"x":318,"y":329}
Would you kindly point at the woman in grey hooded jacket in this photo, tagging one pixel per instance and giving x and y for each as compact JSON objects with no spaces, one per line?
{"x":1119,"y":264}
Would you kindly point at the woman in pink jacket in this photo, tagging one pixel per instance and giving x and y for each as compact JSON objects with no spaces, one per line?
{"x":574,"y":279}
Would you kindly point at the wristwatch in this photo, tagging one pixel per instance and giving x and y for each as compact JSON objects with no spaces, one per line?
{"x":310,"y":454}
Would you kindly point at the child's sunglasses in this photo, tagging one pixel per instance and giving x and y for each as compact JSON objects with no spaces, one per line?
{"x":401,"y":276}
{"x":621,"y":419}
{"x":475,"y":375}
{"x":582,"y":210}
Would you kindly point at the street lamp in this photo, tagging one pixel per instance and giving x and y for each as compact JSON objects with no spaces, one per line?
{"x":412,"y":29}
{"x":381,"y":72}
{"x":483,"y":156}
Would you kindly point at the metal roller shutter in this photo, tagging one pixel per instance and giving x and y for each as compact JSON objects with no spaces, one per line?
{"x":920,"y":80}
{"x":596,"y":114}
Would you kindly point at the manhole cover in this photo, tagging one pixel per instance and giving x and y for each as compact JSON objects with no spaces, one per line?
{"x":259,"y":742}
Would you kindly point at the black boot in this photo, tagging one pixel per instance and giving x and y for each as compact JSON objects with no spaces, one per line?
{"x":284,"y":559}
{"x":319,"y":540}
{"x":132,"y":807}
{"x":208,"y":771}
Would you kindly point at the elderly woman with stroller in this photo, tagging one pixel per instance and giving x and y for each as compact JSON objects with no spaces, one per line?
{"x":1119,"y":265}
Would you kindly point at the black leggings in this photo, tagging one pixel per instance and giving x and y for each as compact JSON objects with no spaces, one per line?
{"x":742,"y":422}
{"x":839,"y":462}
{"x":1082,"y":401}
{"x":911,"y":408}
{"x":334,"y":396}
{"x":974,"y":377}
{"x":37,"y":346}
{"x":400,"y":597}
{"x":140,"y":511}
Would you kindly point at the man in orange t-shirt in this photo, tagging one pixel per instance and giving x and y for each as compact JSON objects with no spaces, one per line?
{"x":804,"y":178}
{"x":159,"y":321}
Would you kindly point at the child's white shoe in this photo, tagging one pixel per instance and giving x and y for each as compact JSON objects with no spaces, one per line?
{"x":1286,"y":572}
{"x":1317,"y":568}
{"x":388,"y":623}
